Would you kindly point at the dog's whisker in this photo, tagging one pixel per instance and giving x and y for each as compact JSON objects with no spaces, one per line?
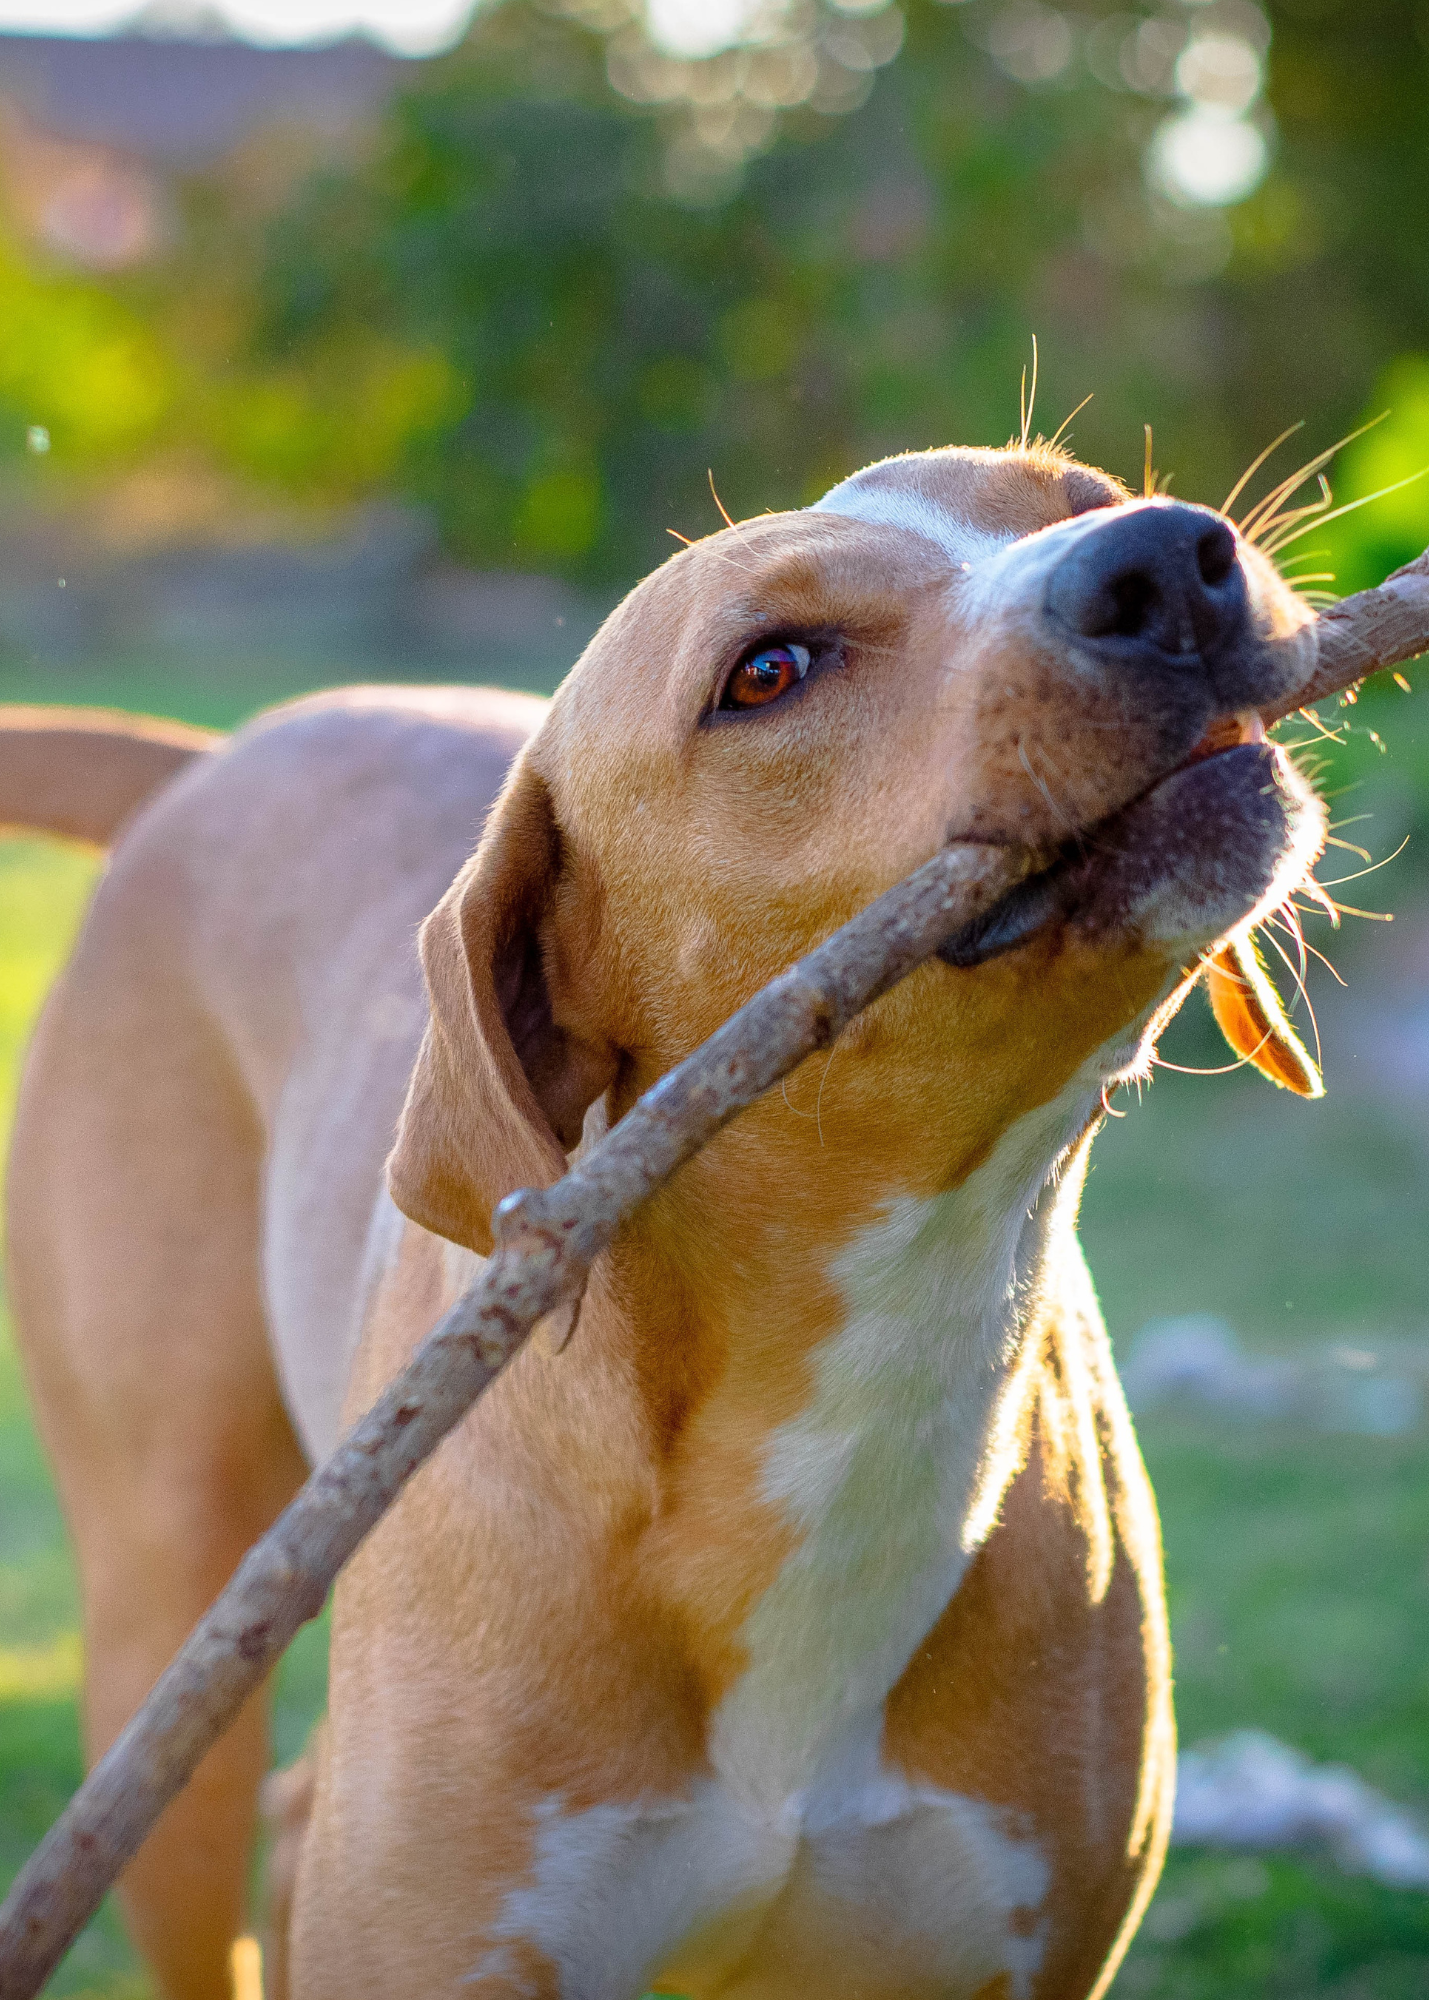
{"x":1272,"y":533}
{"x":1272,"y":512}
{"x":1193,"y":1069}
{"x":1313,"y":951}
{"x":1297,"y":973}
{"x":1057,"y":811}
{"x":1353,"y":506}
{"x":819,"y":1100}
{"x":784,"y":1093}
{"x":723,"y":510}
{"x":1027,"y":402}
{"x":1373,"y":868}
{"x":1305,"y":555}
{"x":1052,"y":443}
{"x":1270,"y":501}
{"x":1362,"y":853}
{"x":1275,"y":533}
{"x":1369,"y":916}
{"x":1255,"y":465}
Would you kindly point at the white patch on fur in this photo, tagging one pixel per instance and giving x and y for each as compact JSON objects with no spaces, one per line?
{"x":1013,"y":576}
{"x":887,"y":506}
{"x":889,"y":1474}
{"x":617,"y":1888}
{"x":883,"y":1469}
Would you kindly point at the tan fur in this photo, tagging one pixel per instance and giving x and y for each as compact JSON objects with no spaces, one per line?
{"x":82,"y":772}
{"x":560,"y":1608}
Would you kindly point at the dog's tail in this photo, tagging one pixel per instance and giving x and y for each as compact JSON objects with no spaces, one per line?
{"x":81,"y":772}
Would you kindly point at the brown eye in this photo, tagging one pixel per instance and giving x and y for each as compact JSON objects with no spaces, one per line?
{"x":765,"y":675}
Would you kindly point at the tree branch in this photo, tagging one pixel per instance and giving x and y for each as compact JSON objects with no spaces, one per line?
{"x":1361,"y":634}
{"x":545,"y":1244}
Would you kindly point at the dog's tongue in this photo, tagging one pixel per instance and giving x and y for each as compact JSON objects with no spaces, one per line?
{"x":1226,"y":734}
{"x":1251,"y":1016}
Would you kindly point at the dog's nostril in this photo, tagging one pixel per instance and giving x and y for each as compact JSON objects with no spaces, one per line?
{"x":1215,"y":554}
{"x":1134,"y":598}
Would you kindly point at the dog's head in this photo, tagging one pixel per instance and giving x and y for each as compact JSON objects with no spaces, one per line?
{"x":995,"y":647}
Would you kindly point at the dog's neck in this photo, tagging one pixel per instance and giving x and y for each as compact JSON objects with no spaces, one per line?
{"x":829,"y":1481}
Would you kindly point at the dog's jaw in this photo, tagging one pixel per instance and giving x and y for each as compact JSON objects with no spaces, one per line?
{"x":1214,"y":847}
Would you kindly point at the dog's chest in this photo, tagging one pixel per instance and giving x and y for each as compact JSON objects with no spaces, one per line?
{"x":800,"y":1862}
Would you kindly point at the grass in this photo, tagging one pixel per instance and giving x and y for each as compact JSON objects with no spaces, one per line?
{"x":1297,"y":1563}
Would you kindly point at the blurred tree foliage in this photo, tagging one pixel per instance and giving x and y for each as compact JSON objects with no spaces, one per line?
{"x":871,"y":283}
{"x":78,"y":361}
{"x":524,"y":307}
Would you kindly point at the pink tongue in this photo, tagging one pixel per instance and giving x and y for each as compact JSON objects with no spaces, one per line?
{"x":1227,"y":733}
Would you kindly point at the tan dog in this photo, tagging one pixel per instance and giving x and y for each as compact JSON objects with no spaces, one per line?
{"x":798,"y":1629}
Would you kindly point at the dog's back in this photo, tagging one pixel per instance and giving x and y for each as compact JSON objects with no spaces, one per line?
{"x":199,"y":1141}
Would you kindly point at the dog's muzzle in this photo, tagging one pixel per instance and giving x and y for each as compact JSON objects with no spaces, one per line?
{"x":1223,"y":827}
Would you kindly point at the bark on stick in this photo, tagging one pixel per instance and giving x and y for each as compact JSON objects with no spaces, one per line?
{"x":1361,"y":634}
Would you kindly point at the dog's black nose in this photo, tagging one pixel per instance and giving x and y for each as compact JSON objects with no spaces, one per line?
{"x":1155,"y":581}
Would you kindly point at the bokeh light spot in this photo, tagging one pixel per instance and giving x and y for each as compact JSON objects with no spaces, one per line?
{"x":1205,"y":158}
{"x":1219,"y":70}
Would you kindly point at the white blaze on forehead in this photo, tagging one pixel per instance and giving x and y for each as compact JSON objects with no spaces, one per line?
{"x":889,"y":504}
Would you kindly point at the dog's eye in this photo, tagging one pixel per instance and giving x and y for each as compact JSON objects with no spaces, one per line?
{"x":763,"y":676}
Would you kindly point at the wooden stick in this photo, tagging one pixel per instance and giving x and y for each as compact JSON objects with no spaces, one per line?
{"x":1361,"y":634}
{"x":545,"y":1243}
{"x":957,"y":904}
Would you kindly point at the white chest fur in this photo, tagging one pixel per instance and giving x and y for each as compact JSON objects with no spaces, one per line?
{"x":891,"y":1475}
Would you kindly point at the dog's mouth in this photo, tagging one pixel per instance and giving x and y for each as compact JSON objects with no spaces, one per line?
{"x":1232,"y":798}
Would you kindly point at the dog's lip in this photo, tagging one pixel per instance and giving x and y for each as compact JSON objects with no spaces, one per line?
{"x":1042,"y":895}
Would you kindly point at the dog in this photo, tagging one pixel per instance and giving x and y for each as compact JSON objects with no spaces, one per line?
{"x":796,"y":1627}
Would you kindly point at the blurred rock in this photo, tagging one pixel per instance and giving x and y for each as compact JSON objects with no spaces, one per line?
{"x":1377,"y":1391}
{"x":1252,"y":1791}
{"x":1198,"y":1359}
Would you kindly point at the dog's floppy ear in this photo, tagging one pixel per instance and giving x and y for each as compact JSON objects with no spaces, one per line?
{"x":499,"y":1089}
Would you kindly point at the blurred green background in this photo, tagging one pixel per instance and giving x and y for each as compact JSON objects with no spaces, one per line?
{"x":409,"y":368}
